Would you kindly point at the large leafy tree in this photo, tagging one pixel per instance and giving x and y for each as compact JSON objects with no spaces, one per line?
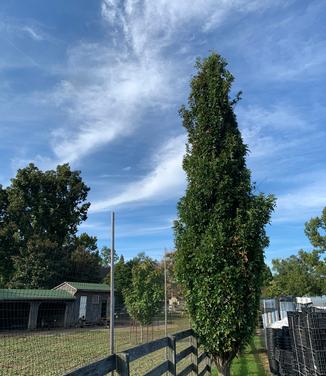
{"x":42,"y":212}
{"x":219,"y":233}
{"x":298,"y":275}
{"x":7,"y":231}
{"x":315,"y":229}
{"x":85,"y":260}
{"x":144,"y":297}
{"x":304,"y":273}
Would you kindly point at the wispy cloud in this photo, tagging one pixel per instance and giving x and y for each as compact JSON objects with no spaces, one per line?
{"x":287,"y":49}
{"x":14,"y":28}
{"x":33,"y":33}
{"x":110,"y":104}
{"x":166,"y":180}
{"x":270,"y":130}
{"x":110,"y":87}
{"x":299,"y":204}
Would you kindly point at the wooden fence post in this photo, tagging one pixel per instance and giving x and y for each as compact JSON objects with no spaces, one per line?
{"x":194,"y":342}
{"x":123,"y":364}
{"x":172,"y":354}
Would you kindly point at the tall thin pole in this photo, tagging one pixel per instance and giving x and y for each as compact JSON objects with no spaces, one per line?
{"x":112,"y":287}
{"x":165,"y":303}
{"x":165,"y":297}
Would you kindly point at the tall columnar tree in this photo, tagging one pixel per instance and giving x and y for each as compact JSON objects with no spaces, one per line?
{"x":144,"y":297}
{"x":219,"y":233}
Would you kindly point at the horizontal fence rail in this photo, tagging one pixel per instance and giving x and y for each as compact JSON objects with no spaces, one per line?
{"x":101,"y":367}
{"x":120,"y":362}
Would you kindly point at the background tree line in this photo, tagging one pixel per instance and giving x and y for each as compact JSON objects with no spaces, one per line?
{"x":39,"y":246}
{"x":303,"y":274}
{"x":39,"y":217}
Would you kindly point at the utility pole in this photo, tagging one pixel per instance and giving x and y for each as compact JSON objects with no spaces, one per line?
{"x":112,"y":286}
{"x":165,"y":297}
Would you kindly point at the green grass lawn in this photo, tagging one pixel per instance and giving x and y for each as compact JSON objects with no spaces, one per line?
{"x":58,"y":351}
{"x":253,"y":361}
{"x":55,"y":352}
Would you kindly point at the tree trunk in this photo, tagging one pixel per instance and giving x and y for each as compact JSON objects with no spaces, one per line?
{"x":224,"y":370}
{"x":223,"y":366}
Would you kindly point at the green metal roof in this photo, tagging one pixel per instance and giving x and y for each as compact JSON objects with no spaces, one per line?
{"x":28,"y":294}
{"x":89,"y":286}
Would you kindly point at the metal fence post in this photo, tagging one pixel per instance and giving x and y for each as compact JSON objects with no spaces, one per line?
{"x":172,"y":353}
{"x":194,"y":342}
{"x":123,"y":364}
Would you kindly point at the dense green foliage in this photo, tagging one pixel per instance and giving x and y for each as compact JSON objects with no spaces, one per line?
{"x":173,"y":287}
{"x":315,"y":229}
{"x":122,"y":280}
{"x":144,"y":296}
{"x":106,"y":256}
{"x":219,"y":234}
{"x":85,"y":261}
{"x":305,"y":273}
{"x":39,"y":215}
{"x":7,"y":231}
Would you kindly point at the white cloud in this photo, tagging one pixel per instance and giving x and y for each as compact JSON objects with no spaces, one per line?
{"x":296,"y":59}
{"x":14,"y":28}
{"x":166,"y":180}
{"x":44,"y":163}
{"x":268,"y":131}
{"x":304,"y":202}
{"x":280,"y":117}
{"x":111,"y":86}
{"x":33,"y":33}
{"x":289,"y":49}
{"x":110,"y":103}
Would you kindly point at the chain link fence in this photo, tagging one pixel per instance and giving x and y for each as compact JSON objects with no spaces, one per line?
{"x":45,"y":335}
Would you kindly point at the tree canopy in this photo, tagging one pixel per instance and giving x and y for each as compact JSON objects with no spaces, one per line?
{"x":315,"y":229}
{"x":85,"y":260}
{"x":122,"y":280}
{"x":303,"y":274}
{"x":39,"y":216}
{"x":219,"y":234}
{"x":144,"y":296}
{"x":106,"y":256}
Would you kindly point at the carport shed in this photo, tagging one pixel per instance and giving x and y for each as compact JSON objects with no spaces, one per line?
{"x":32,"y":309}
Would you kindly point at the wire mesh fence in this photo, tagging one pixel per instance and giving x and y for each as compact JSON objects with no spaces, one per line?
{"x":296,"y":343}
{"x":53,"y":334}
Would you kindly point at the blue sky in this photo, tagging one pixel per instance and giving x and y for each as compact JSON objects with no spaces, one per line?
{"x":98,"y":84}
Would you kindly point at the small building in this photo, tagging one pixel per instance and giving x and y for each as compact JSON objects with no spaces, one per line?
{"x":91,"y":301}
{"x":33,"y":309}
{"x":66,"y":305}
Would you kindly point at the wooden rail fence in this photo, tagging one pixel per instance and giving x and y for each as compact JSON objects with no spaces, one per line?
{"x":120,"y":362}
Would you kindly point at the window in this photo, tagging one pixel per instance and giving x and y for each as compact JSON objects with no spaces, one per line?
{"x":95,"y":299}
{"x":82,"y":307}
